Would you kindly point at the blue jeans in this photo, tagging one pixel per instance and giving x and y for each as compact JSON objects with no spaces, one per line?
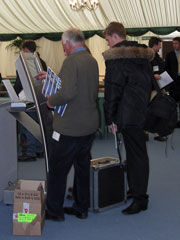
{"x":33,"y":146}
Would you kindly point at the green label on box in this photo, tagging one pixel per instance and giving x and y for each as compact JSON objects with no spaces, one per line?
{"x":26,"y":217}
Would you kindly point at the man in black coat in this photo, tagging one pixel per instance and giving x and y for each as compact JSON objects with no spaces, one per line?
{"x":128,"y":86}
{"x":158,"y":64}
{"x":173,"y":68}
{"x":158,"y":67}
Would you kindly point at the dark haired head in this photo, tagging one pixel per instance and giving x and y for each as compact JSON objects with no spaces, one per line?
{"x":29,"y":44}
{"x":115,"y":27}
{"x":176,"y":39}
{"x":154,"y":41}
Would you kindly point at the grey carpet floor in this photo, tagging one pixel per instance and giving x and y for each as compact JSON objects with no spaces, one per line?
{"x":160,"y":222}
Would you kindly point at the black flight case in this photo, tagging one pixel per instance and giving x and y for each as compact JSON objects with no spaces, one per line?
{"x":108,"y":181}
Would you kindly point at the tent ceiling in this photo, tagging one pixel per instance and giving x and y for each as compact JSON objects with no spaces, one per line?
{"x":46,"y":16}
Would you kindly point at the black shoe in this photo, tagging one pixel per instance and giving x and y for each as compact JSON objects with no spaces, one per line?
{"x":40,"y":154}
{"x":53,"y":218}
{"x":178,"y":125}
{"x":26,"y":157}
{"x":72,"y":211}
{"x":160,"y":139}
{"x":134,"y":208}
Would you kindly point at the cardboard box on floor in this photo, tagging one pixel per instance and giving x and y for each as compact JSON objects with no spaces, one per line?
{"x":29,"y":208}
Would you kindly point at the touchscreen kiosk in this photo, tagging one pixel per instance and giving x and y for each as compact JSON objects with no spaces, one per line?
{"x":27,"y":66}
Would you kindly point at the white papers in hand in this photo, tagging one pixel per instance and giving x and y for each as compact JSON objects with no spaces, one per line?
{"x":165,"y":80}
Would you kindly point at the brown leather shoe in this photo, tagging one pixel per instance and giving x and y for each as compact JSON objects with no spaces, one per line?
{"x":69,"y":197}
{"x":26,"y":157}
{"x":160,"y":139}
{"x":70,"y":189}
{"x":40,"y":154}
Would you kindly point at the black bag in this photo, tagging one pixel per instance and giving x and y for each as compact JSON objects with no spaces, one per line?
{"x":161,"y":115}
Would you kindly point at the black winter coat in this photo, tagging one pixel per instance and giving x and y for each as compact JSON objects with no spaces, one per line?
{"x":172,"y":65}
{"x":172,"y":69}
{"x":128,"y":84}
{"x":158,"y":64}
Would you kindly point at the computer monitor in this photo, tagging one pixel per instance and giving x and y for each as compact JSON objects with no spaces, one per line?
{"x":27,"y":66}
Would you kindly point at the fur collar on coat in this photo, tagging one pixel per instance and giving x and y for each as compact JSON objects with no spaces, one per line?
{"x":133,"y":51}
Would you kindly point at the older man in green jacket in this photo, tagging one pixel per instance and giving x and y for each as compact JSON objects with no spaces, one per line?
{"x":74,"y":131}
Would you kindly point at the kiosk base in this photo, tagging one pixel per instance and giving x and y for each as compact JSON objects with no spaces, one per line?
{"x":8,"y":197}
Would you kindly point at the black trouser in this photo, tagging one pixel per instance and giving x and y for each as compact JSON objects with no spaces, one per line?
{"x":137,"y":162}
{"x":174,"y":90}
{"x":68,"y":151}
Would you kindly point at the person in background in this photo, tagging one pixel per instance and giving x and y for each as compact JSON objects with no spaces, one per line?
{"x":30,"y":148}
{"x":74,"y":132}
{"x":158,"y":67}
{"x":172,"y":66}
{"x":28,"y":46}
{"x":128,"y":86}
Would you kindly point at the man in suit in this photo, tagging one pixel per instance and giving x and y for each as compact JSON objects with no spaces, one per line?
{"x":172,"y":66}
{"x":74,"y":132}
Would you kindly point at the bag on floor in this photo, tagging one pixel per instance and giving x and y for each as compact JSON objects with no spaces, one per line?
{"x":161,"y":115}
{"x":108,"y":180}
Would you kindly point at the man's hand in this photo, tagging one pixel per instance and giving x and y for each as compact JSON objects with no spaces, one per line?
{"x":41,"y":75}
{"x":157,"y":76}
{"x":48,"y":104}
{"x":113,"y":128}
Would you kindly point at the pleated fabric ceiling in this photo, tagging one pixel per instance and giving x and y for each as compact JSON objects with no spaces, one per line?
{"x":52,"y":16}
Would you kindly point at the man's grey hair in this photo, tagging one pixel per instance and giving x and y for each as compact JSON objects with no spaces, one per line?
{"x":74,"y":36}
